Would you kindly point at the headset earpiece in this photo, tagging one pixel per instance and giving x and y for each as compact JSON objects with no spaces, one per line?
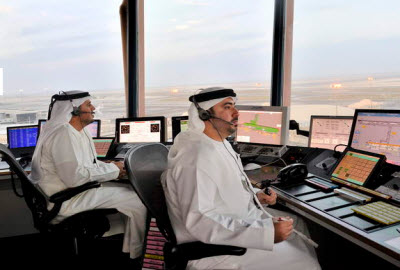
{"x":76,"y":111}
{"x":203,"y":114}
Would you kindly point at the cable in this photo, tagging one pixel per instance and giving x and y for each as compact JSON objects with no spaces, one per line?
{"x":340,"y":144}
{"x":276,"y":160}
{"x":336,"y":154}
{"x":255,"y":199}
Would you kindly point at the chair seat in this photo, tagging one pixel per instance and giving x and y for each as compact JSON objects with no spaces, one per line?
{"x":87,"y":224}
{"x":198,"y":250}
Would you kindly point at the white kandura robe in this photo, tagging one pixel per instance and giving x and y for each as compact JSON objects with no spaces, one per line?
{"x":208,"y":201}
{"x":67,"y":160}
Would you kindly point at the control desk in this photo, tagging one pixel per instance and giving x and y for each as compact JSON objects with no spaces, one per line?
{"x":323,"y":197}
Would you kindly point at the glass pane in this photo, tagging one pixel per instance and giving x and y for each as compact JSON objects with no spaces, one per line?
{"x":197,"y":44}
{"x":345,"y":56}
{"x":52,"y":46}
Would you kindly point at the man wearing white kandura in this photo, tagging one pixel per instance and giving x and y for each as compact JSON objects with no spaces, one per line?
{"x":210,"y":199}
{"x":65,"y":157}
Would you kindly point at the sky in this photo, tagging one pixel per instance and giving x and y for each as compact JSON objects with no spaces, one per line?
{"x":47,"y":45}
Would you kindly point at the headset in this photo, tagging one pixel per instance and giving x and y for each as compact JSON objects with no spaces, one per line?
{"x":206,"y":115}
{"x":76,"y":111}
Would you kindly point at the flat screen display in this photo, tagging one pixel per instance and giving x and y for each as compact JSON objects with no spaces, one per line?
{"x":377,"y":131}
{"x":140,"y":129}
{"x":262,"y":124}
{"x":102,"y":146}
{"x":356,"y":167}
{"x":329,"y":131}
{"x":94,"y":127}
{"x":179,"y":124}
{"x":22,"y":136}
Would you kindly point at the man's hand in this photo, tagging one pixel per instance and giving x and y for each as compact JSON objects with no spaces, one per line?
{"x":121,"y":168}
{"x":267,"y":199}
{"x":283,"y":228}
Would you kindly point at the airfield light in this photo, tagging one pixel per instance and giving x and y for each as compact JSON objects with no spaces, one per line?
{"x":336,"y":85}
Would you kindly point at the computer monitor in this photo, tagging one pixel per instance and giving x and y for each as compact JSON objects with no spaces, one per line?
{"x":22,"y":139}
{"x":377,"y":131}
{"x":94,"y":128}
{"x":262,"y":124}
{"x":179,"y":123}
{"x":328,"y":131}
{"x":140,"y":129}
{"x":103,"y":146}
{"x":358,"y":167}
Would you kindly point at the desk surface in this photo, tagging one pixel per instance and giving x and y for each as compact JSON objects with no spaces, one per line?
{"x":374,"y":241}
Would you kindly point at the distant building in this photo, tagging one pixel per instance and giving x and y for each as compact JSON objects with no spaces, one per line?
{"x":21,"y":117}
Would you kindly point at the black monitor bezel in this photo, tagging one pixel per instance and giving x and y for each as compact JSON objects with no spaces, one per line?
{"x":374,"y":173}
{"x":177,"y":121}
{"x":14,"y":127}
{"x":149,"y":118}
{"x":326,"y":117}
{"x":39,"y":125}
{"x":94,"y":120}
{"x":109,"y":149}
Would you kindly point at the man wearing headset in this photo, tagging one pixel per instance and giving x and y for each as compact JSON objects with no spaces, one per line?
{"x":65,"y":157}
{"x":210,"y":199}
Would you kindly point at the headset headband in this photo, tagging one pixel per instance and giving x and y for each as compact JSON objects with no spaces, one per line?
{"x":68,"y":95}
{"x":212,"y":95}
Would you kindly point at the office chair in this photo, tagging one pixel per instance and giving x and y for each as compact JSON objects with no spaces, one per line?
{"x":91,"y":224}
{"x":144,"y":164}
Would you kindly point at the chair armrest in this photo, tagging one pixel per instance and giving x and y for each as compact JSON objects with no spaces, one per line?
{"x":198,"y":250}
{"x":68,"y":193}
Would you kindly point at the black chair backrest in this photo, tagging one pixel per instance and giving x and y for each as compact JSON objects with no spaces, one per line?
{"x":144,"y":164}
{"x":34,"y":198}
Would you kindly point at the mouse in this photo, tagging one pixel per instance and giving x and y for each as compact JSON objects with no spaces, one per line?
{"x":251,"y":166}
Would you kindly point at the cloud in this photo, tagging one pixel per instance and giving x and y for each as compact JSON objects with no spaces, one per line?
{"x":193,"y":21}
{"x":182,"y":27}
{"x":194,"y":2}
{"x":365,"y":104}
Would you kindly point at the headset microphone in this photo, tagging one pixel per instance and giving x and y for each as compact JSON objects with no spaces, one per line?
{"x":87,"y":112}
{"x":213,"y":116}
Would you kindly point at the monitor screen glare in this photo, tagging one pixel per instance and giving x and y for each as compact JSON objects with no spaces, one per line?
{"x":260,"y":127}
{"x":378,"y":132}
{"x":139,"y":131}
{"x":20,"y":137}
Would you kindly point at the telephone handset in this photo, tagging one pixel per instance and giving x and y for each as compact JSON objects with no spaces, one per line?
{"x":293,"y":173}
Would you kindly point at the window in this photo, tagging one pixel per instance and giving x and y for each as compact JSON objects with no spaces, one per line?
{"x":50,"y":46}
{"x":345,"y":56}
{"x":195,"y":44}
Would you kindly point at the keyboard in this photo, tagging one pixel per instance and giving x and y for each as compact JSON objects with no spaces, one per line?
{"x":379,"y":211}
